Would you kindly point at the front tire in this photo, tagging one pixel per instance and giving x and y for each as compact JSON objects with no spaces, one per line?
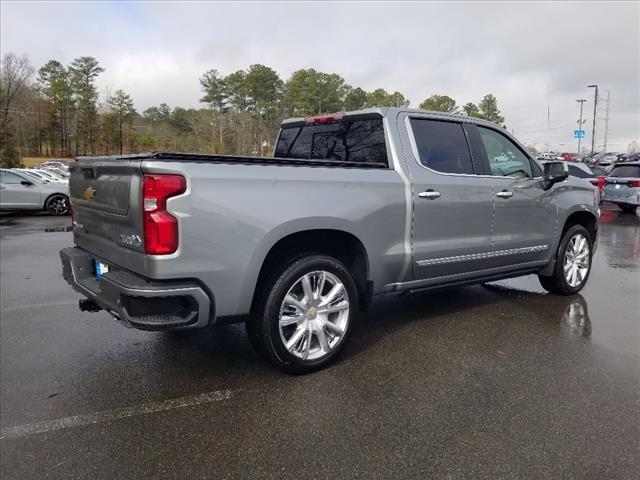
{"x":573,"y":263}
{"x":627,"y":208}
{"x":306,"y":313}
{"x":57,"y":205}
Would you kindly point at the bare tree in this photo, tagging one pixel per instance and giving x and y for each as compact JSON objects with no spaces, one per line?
{"x":14,"y":74}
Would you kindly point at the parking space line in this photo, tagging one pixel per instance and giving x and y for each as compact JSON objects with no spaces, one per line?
{"x":108,"y":415}
{"x":38,"y":305}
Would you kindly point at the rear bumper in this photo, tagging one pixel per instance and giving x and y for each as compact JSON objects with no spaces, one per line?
{"x":136,"y":301}
{"x":629,"y":197}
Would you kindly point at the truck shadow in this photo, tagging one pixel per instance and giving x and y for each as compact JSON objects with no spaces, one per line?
{"x":489,"y":308}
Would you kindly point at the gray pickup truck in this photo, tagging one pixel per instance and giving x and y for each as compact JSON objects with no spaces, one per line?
{"x":352,"y":207}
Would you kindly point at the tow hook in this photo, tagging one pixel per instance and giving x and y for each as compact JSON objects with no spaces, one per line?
{"x":88,"y":305}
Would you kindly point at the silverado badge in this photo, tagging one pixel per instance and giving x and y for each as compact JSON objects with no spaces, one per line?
{"x":89,"y":193}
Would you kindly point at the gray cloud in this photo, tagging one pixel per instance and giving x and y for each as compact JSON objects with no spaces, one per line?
{"x":530,"y":55}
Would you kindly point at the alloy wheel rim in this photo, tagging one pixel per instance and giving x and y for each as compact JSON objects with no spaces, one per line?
{"x":59,"y":206}
{"x":314,"y":315}
{"x":576,"y":260}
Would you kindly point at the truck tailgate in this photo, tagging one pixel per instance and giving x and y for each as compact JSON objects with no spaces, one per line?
{"x":106,"y":196}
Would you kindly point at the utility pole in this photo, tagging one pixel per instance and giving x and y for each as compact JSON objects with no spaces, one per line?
{"x":595,"y":111}
{"x":606,"y":122}
{"x":581,"y":102}
{"x":548,"y":120}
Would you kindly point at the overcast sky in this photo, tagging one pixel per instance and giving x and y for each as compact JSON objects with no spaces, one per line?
{"x":530,"y":55}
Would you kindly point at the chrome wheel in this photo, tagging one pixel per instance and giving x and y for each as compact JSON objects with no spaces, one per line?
{"x":576,"y":260}
{"x":314,"y":315}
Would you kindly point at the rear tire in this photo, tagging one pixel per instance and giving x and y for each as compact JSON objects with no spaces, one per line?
{"x":627,"y":208}
{"x":305,"y":314}
{"x":573,"y":263}
{"x":57,"y":205}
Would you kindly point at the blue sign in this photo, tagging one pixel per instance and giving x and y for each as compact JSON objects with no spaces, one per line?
{"x":578,"y":134}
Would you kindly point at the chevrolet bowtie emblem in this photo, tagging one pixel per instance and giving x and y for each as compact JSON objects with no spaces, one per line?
{"x":89,"y":193}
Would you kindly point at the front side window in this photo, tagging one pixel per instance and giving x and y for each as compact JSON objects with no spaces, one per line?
{"x":505,"y":158}
{"x":9,"y":178}
{"x":442,"y":146}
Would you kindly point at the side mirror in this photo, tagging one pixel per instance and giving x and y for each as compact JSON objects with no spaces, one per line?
{"x":555,"y":172}
{"x":26,"y":183}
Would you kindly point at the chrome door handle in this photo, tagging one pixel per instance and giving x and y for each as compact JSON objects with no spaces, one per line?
{"x":429,"y":194}
{"x":504,"y":194}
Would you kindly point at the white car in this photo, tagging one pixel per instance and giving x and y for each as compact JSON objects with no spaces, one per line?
{"x":21,"y":191}
{"x":59,"y":171}
{"x":43,"y":175}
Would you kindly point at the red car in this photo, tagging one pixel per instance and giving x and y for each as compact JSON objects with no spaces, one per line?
{"x":569,"y":157}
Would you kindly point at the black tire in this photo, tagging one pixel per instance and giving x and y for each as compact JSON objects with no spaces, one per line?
{"x":557,"y":282}
{"x":263,"y":327}
{"x":57,"y":205}
{"x":627,"y":208}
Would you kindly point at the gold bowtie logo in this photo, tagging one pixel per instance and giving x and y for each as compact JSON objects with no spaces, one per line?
{"x":89,"y":193}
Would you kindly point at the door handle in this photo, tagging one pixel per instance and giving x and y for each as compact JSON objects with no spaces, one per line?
{"x":429,"y":194}
{"x":504,"y":194}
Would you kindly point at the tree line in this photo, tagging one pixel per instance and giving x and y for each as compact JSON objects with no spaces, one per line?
{"x":57,"y":110}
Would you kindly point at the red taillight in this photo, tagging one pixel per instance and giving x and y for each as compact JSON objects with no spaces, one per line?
{"x":160,"y":227}
{"x":634,"y":183}
{"x":324,"y":119}
{"x":602,"y":181}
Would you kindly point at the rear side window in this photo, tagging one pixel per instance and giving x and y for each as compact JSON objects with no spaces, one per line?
{"x":442,"y":146}
{"x":632,"y":171}
{"x":360,"y":141}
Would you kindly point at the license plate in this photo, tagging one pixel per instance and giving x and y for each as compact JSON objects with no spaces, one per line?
{"x":617,"y":187}
{"x":101,"y":268}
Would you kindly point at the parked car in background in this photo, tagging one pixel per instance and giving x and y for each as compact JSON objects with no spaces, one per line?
{"x":633,"y":157}
{"x":59,"y":171}
{"x":46,"y":175}
{"x":607,"y":159}
{"x":53,"y":175}
{"x":594,"y":175}
{"x":352,"y":208}
{"x":61,"y":164}
{"x":22,"y":191}
{"x":569,"y":157}
{"x":623,"y":186}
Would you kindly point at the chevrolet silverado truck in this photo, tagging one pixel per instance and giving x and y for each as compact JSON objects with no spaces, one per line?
{"x":352,"y":207}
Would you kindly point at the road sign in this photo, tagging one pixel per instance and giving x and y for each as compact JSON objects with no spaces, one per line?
{"x":578,"y":134}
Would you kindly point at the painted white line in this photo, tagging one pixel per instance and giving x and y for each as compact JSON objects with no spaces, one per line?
{"x":108,"y":415}
{"x":37,"y":305}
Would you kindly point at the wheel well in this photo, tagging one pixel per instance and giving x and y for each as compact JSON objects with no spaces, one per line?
{"x":586,"y":219}
{"x":341,"y":245}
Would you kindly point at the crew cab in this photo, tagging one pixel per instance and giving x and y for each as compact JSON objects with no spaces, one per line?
{"x":352,"y":208}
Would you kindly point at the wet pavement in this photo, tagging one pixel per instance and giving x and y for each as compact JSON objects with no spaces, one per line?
{"x":497,"y":381}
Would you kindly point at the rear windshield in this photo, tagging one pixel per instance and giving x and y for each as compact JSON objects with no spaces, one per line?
{"x":626,"y":171}
{"x":358,"y":141}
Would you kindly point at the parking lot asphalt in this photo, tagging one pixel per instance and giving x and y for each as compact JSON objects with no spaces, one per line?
{"x":496,"y":381}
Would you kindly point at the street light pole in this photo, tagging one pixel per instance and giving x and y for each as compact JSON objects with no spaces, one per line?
{"x":581,"y":102}
{"x":595,"y":111}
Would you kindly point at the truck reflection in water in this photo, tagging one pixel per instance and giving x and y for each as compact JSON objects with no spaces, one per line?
{"x":575,"y":319}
